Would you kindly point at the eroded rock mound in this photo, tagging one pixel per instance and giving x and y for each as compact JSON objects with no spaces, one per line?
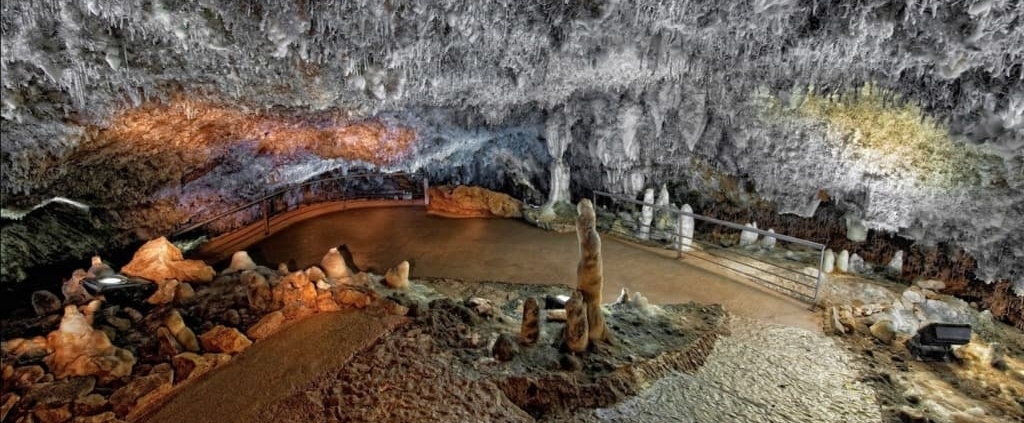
{"x":467,"y":201}
{"x":80,"y":350}
{"x":158,"y":259}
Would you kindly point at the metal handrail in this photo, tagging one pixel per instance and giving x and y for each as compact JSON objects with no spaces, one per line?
{"x":262,"y":200}
{"x":785,"y":238}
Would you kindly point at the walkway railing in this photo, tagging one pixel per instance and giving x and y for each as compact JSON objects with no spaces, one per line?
{"x":797,"y":283}
{"x":361,"y":186}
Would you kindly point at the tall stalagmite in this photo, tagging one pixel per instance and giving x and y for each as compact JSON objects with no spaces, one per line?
{"x":589,"y":274}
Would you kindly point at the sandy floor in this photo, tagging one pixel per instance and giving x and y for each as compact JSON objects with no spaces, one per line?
{"x":514,"y":251}
{"x":273,"y":368}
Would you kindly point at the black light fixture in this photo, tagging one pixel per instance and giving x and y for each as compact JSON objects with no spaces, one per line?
{"x":119,"y":288}
{"x":934,"y":342}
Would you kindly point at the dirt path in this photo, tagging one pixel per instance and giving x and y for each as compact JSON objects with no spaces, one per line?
{"x":513,"y":251}
{"x":271,"y":369}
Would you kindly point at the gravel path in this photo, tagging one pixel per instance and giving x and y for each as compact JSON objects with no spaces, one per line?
{"x":761,"y":373}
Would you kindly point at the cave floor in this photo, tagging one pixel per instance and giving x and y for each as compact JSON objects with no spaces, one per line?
{"x":514,"y":251}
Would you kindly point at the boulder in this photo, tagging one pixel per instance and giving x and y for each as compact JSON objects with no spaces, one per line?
{"x":504,"y":348}
{"x":398,"y":277}
{"x":58,"y":414}
{"x":351,"y":298}
{"x":466,"y":201}
{"x":325,"y":302}
{"x":258,"y":291}
{"x":26,"y":349}
{"x":931,"y":284}
{"x":857,"y":264}
{"x":768,"y":242}
{"x":158,"y":259}
{"x":222,"y":339}
{"x":90,"y":405}
{"x":169,"y":346}
{"x":45,"y":303}
{"x":748,"y":237}
{"x":80,"y":350}
{"x":59,"y":392}
{"x":267,"y":326}
{"x":167,"y":290}
{"x":895,"y":266}
{"x":333,"y":265}
{"x":297,"y":294}
{"x":176,"y":325}
{"x":141,"y":392}
{"x":74,"y":288}
{"x":188,"y":365}
{"x":576,"y":329}
{"x":240,"y":261}
{"x":883,"y":330}
{"x":316,"y":274}
{"x":185,"y":293}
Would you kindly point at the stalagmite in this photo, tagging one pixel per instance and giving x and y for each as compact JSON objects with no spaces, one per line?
{"x":748,"y":237}
{"x":662,"y":215}
{"x":829,"y":263}
{"x":646,"y":214}
{"x":240,"y":261}
{"x":843,"y":261}
{"x":99,"y":268}
{"x":768,"y":242}
{"x":589,"y":272}
{"x":576,"y":327}
{"x":895,"y":266}
{"x":398,"y":277}
{"x":686,"y":223}
{"x":529,"y":333}
{"x":334,"y":265}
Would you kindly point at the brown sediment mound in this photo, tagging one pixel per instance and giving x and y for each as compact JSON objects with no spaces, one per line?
{"x":471,"y":201}
{"x":440,"y":368}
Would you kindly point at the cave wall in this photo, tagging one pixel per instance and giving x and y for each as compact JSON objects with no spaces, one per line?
{"x":627,"y":94}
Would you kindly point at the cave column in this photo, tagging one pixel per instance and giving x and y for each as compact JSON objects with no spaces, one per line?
{"x":558,"y":136}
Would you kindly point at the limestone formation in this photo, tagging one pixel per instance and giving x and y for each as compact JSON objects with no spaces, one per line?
{"x":99,"y":269}
{"x":504,"y":348}
{"x":25,"y":349}
{"x":297,"y":294}
{"x":316,"y":274}
{"x":529,"y":332}
{"x":646,"y":214}
{"x":398,"y":277}
{"x":182,"y":333}
{"x":240,"y":261}
{"x":662,"y":216}
{"x":142,"y":392}
{"x":80,"y":350}
{"x":45,"y":303}
{"x":623,"y":297}
{"x":185,"y":293}
{"x":74,"y":290}
{"x":857,"y":264}
{"x":166,"y":290}
{"x":829,"y":262}
{"x":158,"y":259}
{"x":768,"y":242}
{"x":465,"y":201}
{"x":895,"y":266}
{"x":843,"y":261}
{"x":222,"y":339}
{"x":685,"y":225}
{"x":589,"y":272}
{"x":576,"y":328}
{"x":856,"y":231}
{"x":333,"y":264}
{"x":267,"y":326}
{"x":748,"y":237}
{"x":258,"y":291}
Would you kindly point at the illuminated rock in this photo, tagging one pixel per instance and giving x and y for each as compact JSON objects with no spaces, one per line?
{"x":258,"y":291}
{"x":267,"y":326}
{"x":165,"y":293}
{"x":99,"y":269}
{"x":334,"y":266}
{"x":467,"y":201}
{"x":895,"y":266}
{"x":398,"y":277}
{"x":829,"y":263}
{"x":855,"y":229}
{"x":80,"y":350}
{"x":158,"y":259}
{"x":686,"y":224}
{"x":316,"y":274}
{"x":857,"y":264}
{"x":240,"y":261}
{"x":222,"y":339}
{"x":576,"y":329}
{"x":297,"y":294}
{"x":768,"y":242}
{"x":749,"y":238}
{"x":45,"y":303}
{"x":26,"y":349}
{"x":143,"y":392}
{"x":529,"y":331}
{"x":843,"y":261}
{"x":182,"y":333}
{"x":589,"y":271}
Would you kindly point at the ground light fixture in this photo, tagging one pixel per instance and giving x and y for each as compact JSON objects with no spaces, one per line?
{"x":118,"y":288}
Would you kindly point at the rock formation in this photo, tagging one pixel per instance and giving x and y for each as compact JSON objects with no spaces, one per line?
{"x":296,"y":294}
{"x":589,"y":272}
{"x":646,"y":214}
{"x":843,"y":261}
{"x":158,"y":259}
{"x":471,"y":201}
{"x":685,"y":225}
{"x":240,"y":261}
{"x":398,"y":277}
{"x":768,"y":242}
{"x":74,"y":290}
{"x":529,"y":332}
{"x":45,"y":303}
{"x":258,"y":291}
{"x":80,"y":350}
{"x":576,"y":328}
{"x":829,"y":262}
{"x":895,"y":266}
{"x":222,"y":339}
{"x":748,"y":238}
{"x":333,"y":264}
{"x":166,"y":290}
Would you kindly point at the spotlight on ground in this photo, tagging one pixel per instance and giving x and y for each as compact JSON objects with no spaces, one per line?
{"x":934,"y":342}
{"x":119,"y":288}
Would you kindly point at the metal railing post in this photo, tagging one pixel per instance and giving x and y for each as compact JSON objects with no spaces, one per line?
{"x":817,"y":285}
{"x":426,"y":191}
